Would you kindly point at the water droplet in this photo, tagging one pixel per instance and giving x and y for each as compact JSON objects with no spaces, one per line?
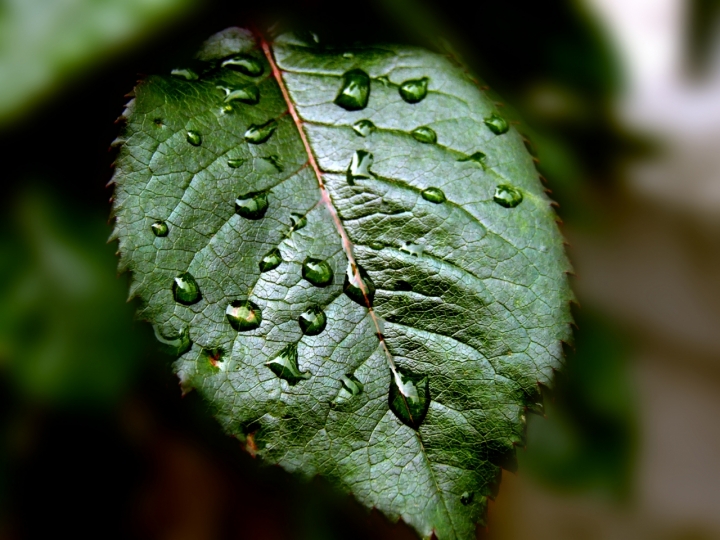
{"x":236,"y":162}
{"x":413,"y":248}
{"x":185,"y":73}
{"x":467,"y":497}
{"x":285,"y":365}
{"x":377,"y":246}
{"x":352,"y":287}
{"x":507,"y":196}
{"x":402,"y":285}
{"x":434,"y":195}
{"x":246,"y":94}
{"x":359,"y":166}
{"x":194,"y":137}
{"x":348,"y":55}
{"x":243,"y":315}
{"x":245,"y":64}
{"x":214,"y":357}
{"x":497,"y":124}
{"x":351,"y":385}
{"x":174,"y":345}
{"x":317,"y":272}
{"x":363,"y":127}
{"x":313,"y":321}
{"x":414,"y":91}
{"x":355,"y":90}
{"x":409,"y":397}
{"x":384,"y":80}
{"x":425,"y":135}
{"x":477,"y":157}
{"x":226,"y":109}
{"x":252,"y":205}
{"x":298,"y":221}
{"x":271,"y":260}
{"x":270,"y":164}
{"x":159,"y":228}
{"x":257,"y":134}
{"x":185,"y":289}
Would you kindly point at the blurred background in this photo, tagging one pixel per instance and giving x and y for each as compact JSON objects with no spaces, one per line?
{"x":621,"y":102}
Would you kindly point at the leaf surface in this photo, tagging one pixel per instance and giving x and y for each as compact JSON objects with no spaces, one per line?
{"x":363,"y":259}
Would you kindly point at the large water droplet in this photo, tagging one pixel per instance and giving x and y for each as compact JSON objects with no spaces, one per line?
{"x":235,"y":162}
{"x":507,"y":196}
{"x":409,"y":397}
{"x":271,"y":260}
{"x":434,"y":195}
{"x":246,"y":94}
{"x":477,"y":157}
{"x":359,"y":166}
{"x":174,"y":345}
{"x":194,"y":137}
{"x":425,"y":135}
{"x":160,"y":228}
{"x":252,"y":205}
{"x":355,"y":90}
{"x":298,"y":221}
{"x":351,"y":385}
{"x":257,"y":134}
{"x":414,"y":90}
{"x":317,"y":272}
{"x":245,"y":64}
{"x":313,"y":321}
{"x":243,"y":315}
{"x":352,"y":287}
{"x":363,"y":127}
{"x":467,"y":497}
{"x":285,"y":365}
{"x":185,"y":73}
{"x":185,"y":289}
{"x":497,"y":124}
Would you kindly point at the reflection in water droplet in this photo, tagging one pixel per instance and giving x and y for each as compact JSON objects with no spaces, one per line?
{"x":252,"y":205}
{"x":185,"y":289}
{"x":425,"y":135}
{"x":244,"y":64}
{"x":257,"y":134}
{"x":298,"y":221}
{"x":246,"y":94}
{"x":497,"y":124}
{"x":159,"y":228}
{"x":355,"y":90}
{"x":412,"y":248}
{"x":352,"y":287}
{"x":414,"y":90}
{"x":174,"y":345}
{"x":363,"y":127}
{"x":467,"y":497}
{"x":409,"y":397}
{"x":285,"y":365}
{"x":359,"y":166}
{"x":185,"y":73}
{"x":243,"y":315}
{"x":271,"y":260}
{"x":313,"y":321}
{"x":507,"y":196}
{"x":317,"y":272}
{"x":236,"y":162}
{"x":214,"y":357}
{"x":194,"y":137}
{"x":351,"y":385}
{"x":477,"y":157}
{"x":434,"y":195}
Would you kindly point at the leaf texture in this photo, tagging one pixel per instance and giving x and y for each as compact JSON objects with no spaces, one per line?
{"x":359,"y":268}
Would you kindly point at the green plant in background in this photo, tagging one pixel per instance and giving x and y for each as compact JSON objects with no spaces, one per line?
{"x":354,"y":255}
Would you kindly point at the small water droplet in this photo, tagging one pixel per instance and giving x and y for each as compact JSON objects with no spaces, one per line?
{"x":467,"y":497}
{"x":313,"y":321}
{"x":317,"y":272}
{"x":271,"y":260}
{"x":497,"y":124}
{"x":243,"y":315}
{"x":434,"y":195}
{"x":185,"y":289}
{"x":425,"y":135}
{"x":414,"y":91}
{"x":384,"y":80}
{"x":477,"y":157}
{"x":235,"y":162}
{"x":359,"y":166}
{"x":355,"y":90}
{"x":348,"y":55}
{"x":160,"y":228}
{"x":194,"y":137}
{"x":226,"y":109}
{"x":402,"y":285}
{"x":363,"y":127}
{"x":507,"y":196}
{"x":252,"y":205}
{"x":298,"y":221}
{"x":245,"y":64}
{"x":285,"y":365}
{"x":377,"y":246}
{"x":246,"y":94}
{"x":174,"y":345}
{"x":185,"y":73}
{"x":214,"y":357}
{"x":409,"y":397}
{"x":257,"y":134}
{"x":270,"y":164}
{"x":352,"y":287}
{"x":412,"y":248}
{"x":351,"y":385}
{"x":158,"y":122}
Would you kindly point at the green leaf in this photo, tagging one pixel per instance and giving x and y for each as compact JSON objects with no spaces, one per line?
{"x":435,"y":305}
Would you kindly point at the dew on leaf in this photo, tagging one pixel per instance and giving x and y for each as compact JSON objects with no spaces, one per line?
{"x":384,"y":80}
{"x":402,"y":285}
{"x":285,"y":365}
{"x":507,"y":196}
{"x":412,"y":248}
{"x":258,"y":134}
{"x":247,"y":65}
{"x":243,"y":315}
{"x":159,"y":228}
{"x":226,"y":109}
{"x":235,"y":162}
{"x":246,"y":94}
{"x":348,"y":55}
{"x":194,"y":137}
{"x":363,"y":127}
{"x":185,"y":289}
{"x":252,"y":205}
{"x":377,"y":246}
{"x":185,"y":73}
{"x":414,"y":90}
{"x":434,"y":195}
{"x":355,"y":90}
{"x":174,"y":345}
{"x":298,"y":221}
{"x":317,"y":272}
{"x":353,"y":289}
{"x":351,"y":385}
{"x":477,"y":157}
{"x":409,"y":397}
{"x":269,"y":164}
{"x":312,"y":321}
{"x":214,"y":356}
{"x":425,"y":135}
{"x":271,"y":260}
{"x":467,"y":497}
{"x":497,"y":124}
{"x":359,"y":166}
